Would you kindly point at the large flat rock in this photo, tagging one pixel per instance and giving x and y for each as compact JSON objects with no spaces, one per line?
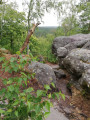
{"x":70,"y":42}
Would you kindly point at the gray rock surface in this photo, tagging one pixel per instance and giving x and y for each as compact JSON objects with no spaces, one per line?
{"x":43,"y":72}
{"x":56,"y":114}
{"x":71,"y":42}
{"x":85,"y":79}
{"x":62,"y":52}
{"x":73,"y":53}
{"x":60,"y":73}
{"x":77,"y":63}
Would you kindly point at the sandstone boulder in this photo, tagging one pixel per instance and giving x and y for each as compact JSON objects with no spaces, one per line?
{"x":43,"y":73}
{"x":71,"y":42}
{"x":73,"y":53}
{"x":77,"y":63}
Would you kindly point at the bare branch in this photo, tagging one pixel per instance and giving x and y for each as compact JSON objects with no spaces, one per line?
{"x":30,"y":32}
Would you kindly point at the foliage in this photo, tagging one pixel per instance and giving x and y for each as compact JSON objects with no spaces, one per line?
{"x":68,"y":19}
{"x":68,"y":27}
{"x":36,"y":9}
{"x":84,"y":10}
{"x":12,"y":27}
{"x":42,"y":47}
{"x":25,"y":103}
{"x":43,"y":31}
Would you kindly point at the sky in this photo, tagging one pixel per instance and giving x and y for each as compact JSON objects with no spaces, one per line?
{"x":50,"y":19}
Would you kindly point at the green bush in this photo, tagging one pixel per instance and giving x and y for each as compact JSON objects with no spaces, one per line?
{"x":43,"y":47}
{"x":26,"y":103}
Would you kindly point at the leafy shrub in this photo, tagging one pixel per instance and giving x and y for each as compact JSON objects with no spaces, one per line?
{"x":26,"y":103}
{"x":43,"y":47}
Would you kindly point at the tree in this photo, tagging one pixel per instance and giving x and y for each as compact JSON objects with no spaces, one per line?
{"x":28,"y":37}
{"x":70,"y":26}
{"x":84,"y":10}
{"x":13,"y":27}
{"x":0,"y":1}
{"x":68,"y":19}
{"x":35,"y":10}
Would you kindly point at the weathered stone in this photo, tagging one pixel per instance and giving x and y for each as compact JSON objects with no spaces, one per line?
{"x":77,"y":63}
{"x":73,"y":53}
{"x":60,"y":73}
{"x":61,"y":52}
{"x":85,"y":79}
{"x":60,"y":42}
{"x":71,"y":42}
{"x":43,"y":72}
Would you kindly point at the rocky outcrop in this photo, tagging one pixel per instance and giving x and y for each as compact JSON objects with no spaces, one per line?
{"x":71,"y":42}
{"x":77,"y":63}
{"x":43,"y":73}
{"x":73,"y":53}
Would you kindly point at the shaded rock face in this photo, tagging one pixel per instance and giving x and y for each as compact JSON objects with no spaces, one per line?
{"x":60,"y":73}
{"x":73,"y":53}
{"x":77,"y":63}
{"x":85,"y":79}
{"x":43,"y":73}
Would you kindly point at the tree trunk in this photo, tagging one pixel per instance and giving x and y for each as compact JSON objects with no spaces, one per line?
{"x":30,"y":32}
{"x":28,"y":49}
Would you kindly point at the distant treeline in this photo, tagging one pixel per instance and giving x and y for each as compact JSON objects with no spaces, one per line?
{"x":43,"y":31}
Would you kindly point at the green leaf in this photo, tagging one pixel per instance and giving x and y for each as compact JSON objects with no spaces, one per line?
{"x":20,"y":80}
{"x":12,"y":59}
{"x":33,"y":76}
{"x":2,"y":111}
{"x":53,"y":84}
{"x":33,"y":114}
{"x":53,"y":96}
{"x":62,"y":95}
{"x":47,"y":87}
{"x":5,"y":81}
{"x":11,"y":88}
{"x":57,"y":95}
{"x":15,"y":103}
{"x":18,"y":52}
{"x":29,"y":104}
{"x":37,"y":108}
{"x":39,"y":93}
{"x":46,"y":114}
{"x":47,"y":105}
{"x":9,"y":82}
{"x":29,"y":90}
{"x":9,"y":110}
{"x":22,"y":73}
{"x":22,"y":94}
{"x":2,"y":91}
{"x":49,"y":95}
{"x":2,"y":59}
{"x":39,"y":117}
{"x":15,"y":69}
{"x":16,"y":113}
{"x":10,"y":71}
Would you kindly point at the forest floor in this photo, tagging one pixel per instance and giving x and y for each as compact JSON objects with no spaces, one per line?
{"x":75,"y":106}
